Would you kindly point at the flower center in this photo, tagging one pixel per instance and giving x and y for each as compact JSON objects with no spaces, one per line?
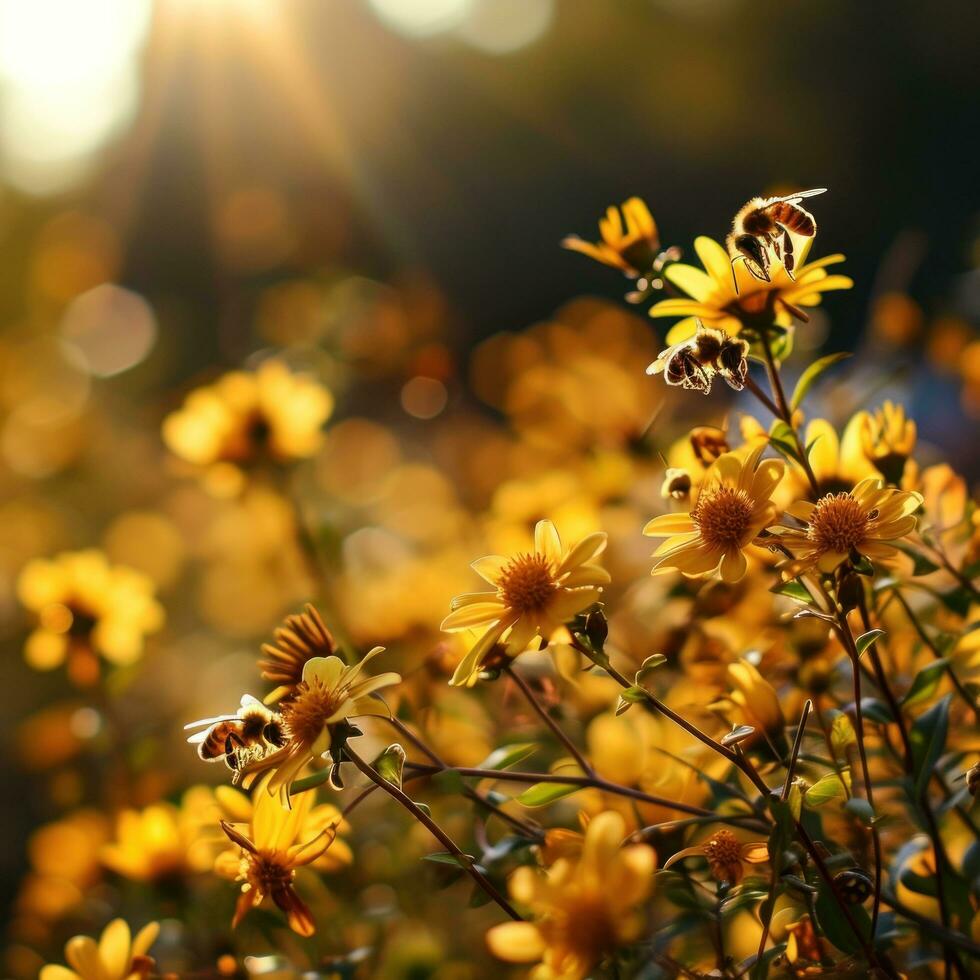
{"x":265,"y":874}
{"x":723,"y":852}
{"x":527,"y":584}
{"x":838,"y":523}
{"x":723,"y":515}
{"x":306,"y":715}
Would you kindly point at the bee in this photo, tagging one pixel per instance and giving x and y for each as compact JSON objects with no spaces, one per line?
{"x":693,"y":363}
{"x":253,"y":729}
{"x":765,"y":227}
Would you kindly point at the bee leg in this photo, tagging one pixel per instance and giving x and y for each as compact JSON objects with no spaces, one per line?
{"x":789,"y":260}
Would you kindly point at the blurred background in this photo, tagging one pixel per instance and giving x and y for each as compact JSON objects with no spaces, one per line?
{"x":378,"y":186}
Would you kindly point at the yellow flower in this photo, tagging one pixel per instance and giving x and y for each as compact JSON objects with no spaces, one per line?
{"x":732,"y":506}
{"x":329,"y":694}
{"x":888,"y":438}
{"x":116,"y":956}
{"x":714,"y":298}
{"x":246,"y":416}
{"x":726,"y":855}
{"x":633,"y":250}
{"x":867,"y":521}
{"x":536,"y":593}
{"x":753,"y":701}
{"x":86,"y":607}
{"x":277,"y":842}
{"x":163,"y":841}
{"x":584,"y":907}
{"x":837,"y":463}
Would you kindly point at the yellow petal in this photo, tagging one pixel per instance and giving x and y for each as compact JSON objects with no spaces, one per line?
{"x":516,"y":942}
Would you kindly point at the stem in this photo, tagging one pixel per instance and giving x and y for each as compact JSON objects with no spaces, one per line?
{"x":762,"y":396}
{"x":423,"y":818}
{"x":548,"y":720}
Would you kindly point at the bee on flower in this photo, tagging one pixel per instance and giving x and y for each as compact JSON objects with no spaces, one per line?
{"x":276,"y":842}
{"x":733,"y":505}
{"x":867,"y":521}
{"x":116,"y":956}
{"x":729,"y":300}
{"x":535,"y":593}
{"x":247,"y":417}
{"x":694,"y":363}
{"x":86,"y":608}
{"x":316,"y":719}
{"x":583,"y":906}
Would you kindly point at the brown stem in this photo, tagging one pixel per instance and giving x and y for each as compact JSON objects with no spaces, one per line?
{"x":548,"y":720}
{"x":423,"y":818}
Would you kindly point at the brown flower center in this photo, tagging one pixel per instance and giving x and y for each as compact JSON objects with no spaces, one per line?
{"x":265,"y":874}
{"x":723,"y":852}
{"x":306,"y":715}
{"x":723,"y":515}
{"x":838,"y":523}
{"x":527,"y":583}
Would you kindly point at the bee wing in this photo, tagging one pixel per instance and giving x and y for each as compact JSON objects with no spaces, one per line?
{"x":208,"y":722}
{"x":199,"y":737}
{"x":662,"y":358}
{"x":799,"y":195}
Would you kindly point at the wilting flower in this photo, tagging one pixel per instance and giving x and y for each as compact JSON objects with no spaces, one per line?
{"x":300,"y":638}
{"x":536,"y":593}
{"x":267,"y":856}
{"x":86,"y":607}
{"x":725,"y":298}
{"x":584,"y":908}
{"x":246,"y":416}
{"x":726,"y":855}
{"x":329,"y":694}
{"x":693,"y":363}
{"x":116,"y":956}
{"x":888,"y":438}
{"x":867,"y":521}
{"x":633,"y":249}
{"x":732,"y":506}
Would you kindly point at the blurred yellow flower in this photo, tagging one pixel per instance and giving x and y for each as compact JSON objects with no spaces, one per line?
{"x":752,"y":701}
{"x":163,"y":841}
{"x":278,"y":841}
{"x":329,"y":694}
{"x":726,"y":855}
{"x":116,"y":956}
{"x":837,"y":463}
{"x":247,"y":416}
{"x":867,"y":521}
{"x":726,"y":297}
{"x":888,"y":438}
{"x":86,"y":607}
{"x":535,"y":594}
{"x":632,"y":249}
{"x":583,"y":908}
{"x":732,"y":506}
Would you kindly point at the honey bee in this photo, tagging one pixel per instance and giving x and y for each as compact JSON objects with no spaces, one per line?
{"x":693,"y":363}
{"x":765,"y":227}
{"x":253,"y":729}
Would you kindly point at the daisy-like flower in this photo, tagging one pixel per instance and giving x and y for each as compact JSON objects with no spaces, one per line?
{"x":632,"y":249}
{"x":584,"y":906}
{"x":726,"y":855}
{"x":267,"y":854}
{"x":867,"y":521}
{"x":86,"y":608}
{"x":300,"y":638}
{"x":328,"y":696}
{"x":724,"y":299}
{"x":116,"y":956}
{"x":248,"y":416}
{"x":733,"y":504}
{"x":535,"y":594}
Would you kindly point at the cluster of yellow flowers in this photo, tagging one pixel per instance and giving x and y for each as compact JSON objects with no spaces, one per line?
{"x":759,"y":742}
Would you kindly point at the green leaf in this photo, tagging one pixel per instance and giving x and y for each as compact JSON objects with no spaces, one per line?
{"x":444,"y":857}
{"x":876,"y":711}
{"x":390,"y":763}
{"x":810,"y":375}
{"x":922,"y":565}
{"x":541,"y":794}
{"x":794,"y":590}
{"x":924,"y":685}
{"x":928,"y":738}
{"x":841,"y":735}
{"x":834,"y":923}
{"x":648,"y":667}
{"x":508,"y":755}
{"x":866,"y":639}
{"x":827,"y":788}
{"x":782,"y":346}
{"x":782,"y":439}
